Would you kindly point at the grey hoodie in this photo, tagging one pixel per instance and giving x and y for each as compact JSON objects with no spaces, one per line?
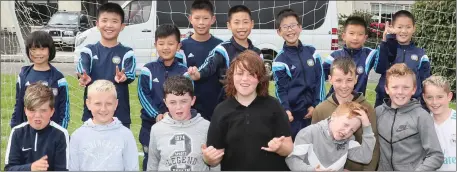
{"x":407,"y":138}
{"x":314,"y":146}
{"x":176,"y":145}
{"x":110,"y":147}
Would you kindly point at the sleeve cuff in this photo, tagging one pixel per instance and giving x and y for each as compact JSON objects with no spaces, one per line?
{"x":367,"y":130}
{"x":391,"y":36}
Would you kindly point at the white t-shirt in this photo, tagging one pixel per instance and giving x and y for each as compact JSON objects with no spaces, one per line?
{"x":446,"y":135}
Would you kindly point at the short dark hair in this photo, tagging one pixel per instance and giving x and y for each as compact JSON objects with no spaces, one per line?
{"x":284,"y":14}
{"x":403,"y":13}
{"x":166,"y":30}
{"x":40,"y":39}
{"x":346,"y":64}
{"x":111,"y":7}
{"x":178,"y":85}
{"x":203,"y":5}
{"x":236,"y":9}
{"x":356,"y":20}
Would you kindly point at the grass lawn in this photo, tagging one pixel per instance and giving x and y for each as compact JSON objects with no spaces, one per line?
{"x":76,"y":101}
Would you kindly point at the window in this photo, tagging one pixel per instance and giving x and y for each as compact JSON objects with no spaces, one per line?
{"x":137,"y":12}
{"x":312,"y":13}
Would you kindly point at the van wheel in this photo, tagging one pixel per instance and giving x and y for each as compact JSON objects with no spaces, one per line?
{"x":268,"y":62}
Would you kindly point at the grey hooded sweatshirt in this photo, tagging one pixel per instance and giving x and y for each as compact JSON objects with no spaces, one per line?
{"x":110,"y":147}
{"x":407,"y":138}
{"x":315,"y":146}
{"x":176,"y":145}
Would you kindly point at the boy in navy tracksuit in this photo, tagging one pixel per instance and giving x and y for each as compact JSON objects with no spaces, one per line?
{"x":355,"y":35}
{"x":195,"y":49}
{"x":40,"y":50}
{"x":38,"y":144}
{"x":297,"y":71}
{"x":220,"y":57}
{"x":110,"y":60}
{"x":397,"y":47}
{"x":151,"y":79}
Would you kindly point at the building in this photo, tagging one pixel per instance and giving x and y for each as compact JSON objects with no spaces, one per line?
{"x":379,"y":8}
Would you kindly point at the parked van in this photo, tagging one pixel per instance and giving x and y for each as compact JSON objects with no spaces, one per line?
{"x":319,"y":20}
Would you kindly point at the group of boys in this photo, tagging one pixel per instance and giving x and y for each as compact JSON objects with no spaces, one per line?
{"x":188,"y":78}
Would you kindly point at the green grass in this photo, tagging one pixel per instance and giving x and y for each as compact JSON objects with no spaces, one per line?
{"x":76,"y":102}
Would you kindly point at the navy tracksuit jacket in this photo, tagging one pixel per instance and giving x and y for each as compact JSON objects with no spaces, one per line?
{"x":59,"y":86}
{"x":390,"y":53}
{"x":299,"y":81}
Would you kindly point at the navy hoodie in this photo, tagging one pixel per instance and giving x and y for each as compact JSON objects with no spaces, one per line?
{"x":390,"y":53}
{"x":27,"y":145}
{"x":59,"y":85}
{"x":365,"y":59}
{"x":207,"y":90}
{"x":100,"y":62}
{"x":298,"y":77}
{"x":219,"y":59}
{"x":151,"y":92}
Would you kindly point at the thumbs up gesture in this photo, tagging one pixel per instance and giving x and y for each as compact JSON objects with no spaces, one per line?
{"x":120,"y":75}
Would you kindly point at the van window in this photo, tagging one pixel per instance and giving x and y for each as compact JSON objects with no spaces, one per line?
{"x":137,"y":12}
{"x":312,"y":13}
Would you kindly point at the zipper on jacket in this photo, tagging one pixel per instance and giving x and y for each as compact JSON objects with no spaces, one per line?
{"x":404,"y":53}
{"x":391,"y":140}
{"x":352,"y":53}
{"x":36,"y":138}
{"x":301,"y":63}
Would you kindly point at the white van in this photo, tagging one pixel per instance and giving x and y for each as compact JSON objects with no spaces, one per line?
{"x":319,"y":20}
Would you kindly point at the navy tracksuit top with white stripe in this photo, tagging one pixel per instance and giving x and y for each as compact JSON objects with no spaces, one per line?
{"x":27,"y":145}
{"x":365,"y":59}
{"x":390,"y":53}
{"x":299,"y":79}
{"x":54,"y":79}
{"x":151,"y":92}
{"x":100,"y":62}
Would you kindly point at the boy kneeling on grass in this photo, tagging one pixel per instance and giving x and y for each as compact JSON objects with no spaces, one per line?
{"x":38,"y":144}
{"x":326,"y":145}
{"x":102,"y":143}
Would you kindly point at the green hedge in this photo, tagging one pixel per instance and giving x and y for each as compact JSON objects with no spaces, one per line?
{"x":436,"y":33}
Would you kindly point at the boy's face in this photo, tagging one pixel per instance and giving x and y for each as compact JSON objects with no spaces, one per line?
{"x":343,"y":84}
{"x":201,"y":21}
{"x":245,"y":82}
{"x":102,"y":105}
{"x":400,"y":89}
{"x":39,"y":55}
{"x":354,"y":36}
{"x":289,"y":29}
{"x":39,"y":117}
{"x":110,"y":24}
{"x":405,"y":29}
{"x":342,"y":127}
{"x":167,"y":47}
{"x":240,"y":24}
{"x":179,"y":106}
{"x":436,"y":99}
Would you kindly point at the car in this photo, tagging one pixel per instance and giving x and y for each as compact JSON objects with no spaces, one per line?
{"x":63,"y":26}
{"x":319,"y":20}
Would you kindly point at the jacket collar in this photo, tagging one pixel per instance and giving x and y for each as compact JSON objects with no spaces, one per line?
{"x":293,"y":48}
{"x":239,"y":47}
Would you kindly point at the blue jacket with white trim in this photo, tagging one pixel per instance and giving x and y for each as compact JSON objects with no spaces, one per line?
{"x":27,"y":145}
{"x":150,"y":88}
{"x":298,"y":77}
{"x":100,"y":62}
{"x":391,"y":52}
{"x":365,"y":59}
{"x":59,"y":86}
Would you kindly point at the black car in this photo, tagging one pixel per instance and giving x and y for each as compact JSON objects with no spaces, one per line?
{"x":65,"y":25}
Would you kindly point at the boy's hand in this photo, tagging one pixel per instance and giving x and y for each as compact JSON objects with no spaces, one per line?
{"x":120,"y":75}
{"x":318,"y":168}
{"x":289,"y":114}
{"x":41,"y":164}
{"x":310,"y":113}
{"x":363,"y":117}
{"x":211,"y":155}
{"x":194,"y":74}
{"x":274,"y":144}
{"x":159,"y":117}
{"x":388,"y":29}
{"x":84,"y":79}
